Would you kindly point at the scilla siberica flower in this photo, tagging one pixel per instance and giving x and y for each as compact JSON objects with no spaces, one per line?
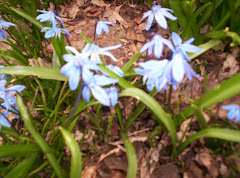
{"x":4,"y":92}
{"x":8,"y":101}
{"x":48,"y":16}
{"x":113,"y":91}
{"x":185,"y":47}
{"x":3,"y":26}
{"x":103,"y":25}
{"x":54,"y":32}
{"x":92,"y":84}
{"x":152,"y":73}
{"x":233,"y":112}
{"x":156,"y":45}
{"x":95,"y":51}
{"x":178,"y":66}
{"x":76,"y":66}
{"x":159,"y":13}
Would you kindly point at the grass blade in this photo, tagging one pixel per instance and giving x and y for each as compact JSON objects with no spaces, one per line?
{"x":40,"y":72}
{"x":18,"y":150}
{"x":131,"y":155}
{"x":220,"y":133}
{"x":76,"y":158}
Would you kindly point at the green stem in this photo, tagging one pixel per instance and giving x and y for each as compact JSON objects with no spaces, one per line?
{"x":70,"y":119}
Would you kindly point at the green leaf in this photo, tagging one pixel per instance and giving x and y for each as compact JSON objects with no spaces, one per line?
{"x":28,"y":17}
{"x":131,"y":155}
{"x":76,"y":157}
{"x":23,"y":167}
{"x":18,"y":150}
{"x":40,"y":72}
{"x":162,"y":117}
{"x":131,"y":61}
{"x":225,"y":134}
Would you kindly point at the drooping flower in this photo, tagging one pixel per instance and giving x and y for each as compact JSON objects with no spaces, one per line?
{"x":76,"y":66}
{"x":4,"y":92}
{"x":177,"y":68}
{"x":95,"y":51}
{"x":185,"y":47}
{"x":159,"y":13}
{"x":2,"y":34}
{"x":156,"y":46}
{"x":103,"y":25}
{"x":233,"y":112}
{"x":4,"y":25}
{"x":48,"y":16}
{"x":54,"y":32}
{"x":112,"y":93}
{"x":93,"y":84}
{"x":153,"y":73}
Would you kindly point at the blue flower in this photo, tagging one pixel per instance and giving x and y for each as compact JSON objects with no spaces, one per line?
{"x":177,"y":68}
{"x":117,"y":70}
{"x":95,"y":51}
{"x":48,"y":16}
{"x":156,"y":45}
{"x":159,"y":13}
{"x":54,"y":31}
{"x":4,"y":25}
{"x":185,"y":47}
{"x":4,"y":92}
{"x":102,"y":25}
{"x":153,"y":73}
{"x":112,"y":93}
{"x":2,"y":34}
{"x":77,"y":65}
{"x":233,"y":112}
{"x":93,"y":83}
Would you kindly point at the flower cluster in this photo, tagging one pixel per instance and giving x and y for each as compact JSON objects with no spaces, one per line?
{"x":4,"y":26}
{"x":158,"y":73}
{"x":83,"y":66}
{"x":8,"y":101}
{"x":49,"y":16}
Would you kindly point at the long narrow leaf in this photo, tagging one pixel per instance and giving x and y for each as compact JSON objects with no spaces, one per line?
{"x":18,"y":150}
{"x":225,"y":134}
{"x":76,"y":158}
{"x":132,"y":157}
{"x":40,"y":72}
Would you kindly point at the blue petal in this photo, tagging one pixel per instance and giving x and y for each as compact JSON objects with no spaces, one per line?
{"x":176,"y":39}
{"x":150,"y":21}
{"x":178,"y":68}
{"x":161,"y":20}
{"x":86,"y":94}
{"x":100,"y":95}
